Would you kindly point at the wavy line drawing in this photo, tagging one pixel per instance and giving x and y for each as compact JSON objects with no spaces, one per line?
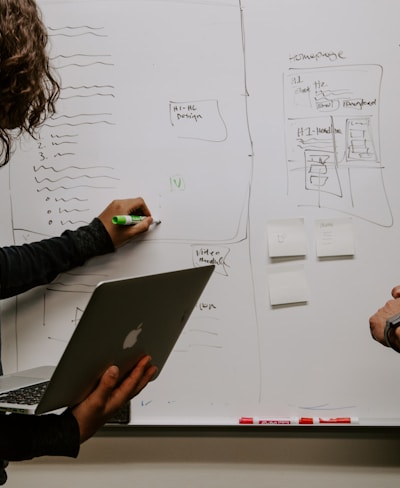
{"x":79,"y":115}
{"x":73,"y":210}
{"x":74,"y":178}
{"x":60,"y":155}
{"x":77,"y":65}
{"x":63,"y":142}
{"x":87,"y":91}
{"x":87,"y":87}
{"x":66,"y":168}
{"x":66,"y":200}
{"x":75,"y":222}
{"x":80,"y":123}
{"x":58,"y":136}
{"x":39,"y":190}
{"x":64,"y":56}
{"x":77,"y":35}
{"x":88,"y":96}
{"x":74,"y":27}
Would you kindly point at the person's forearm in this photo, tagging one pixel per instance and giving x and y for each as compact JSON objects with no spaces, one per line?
{"x":24,"y":267}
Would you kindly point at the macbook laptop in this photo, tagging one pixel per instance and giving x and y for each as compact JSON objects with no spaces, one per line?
{"x":124,"y":320}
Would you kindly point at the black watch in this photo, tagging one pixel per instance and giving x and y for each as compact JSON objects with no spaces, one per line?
{"x":391,"y":325}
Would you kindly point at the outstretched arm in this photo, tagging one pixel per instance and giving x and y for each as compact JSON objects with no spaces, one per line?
{"x":29,"y":265}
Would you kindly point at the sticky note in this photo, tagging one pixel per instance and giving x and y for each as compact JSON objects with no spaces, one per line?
{"x":286,"y":237}
{"x":287,"y":284}
{"x":334,"y":237}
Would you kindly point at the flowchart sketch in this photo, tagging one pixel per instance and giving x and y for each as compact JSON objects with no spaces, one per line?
{"x":333,"y":140}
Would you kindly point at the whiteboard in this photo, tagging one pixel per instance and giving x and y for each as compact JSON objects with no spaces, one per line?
{"x":264,"y":135}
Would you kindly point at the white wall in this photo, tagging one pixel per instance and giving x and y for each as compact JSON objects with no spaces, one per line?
{"x":370,"y":460}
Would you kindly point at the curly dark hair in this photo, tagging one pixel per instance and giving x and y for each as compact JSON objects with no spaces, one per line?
{"x":28,"y":89}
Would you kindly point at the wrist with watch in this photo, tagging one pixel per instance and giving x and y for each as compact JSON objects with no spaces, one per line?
{"x":390,"y":330}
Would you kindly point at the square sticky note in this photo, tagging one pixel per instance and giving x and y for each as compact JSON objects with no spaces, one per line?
{"x":334,"y":237}
{"x":287,"y":284}
{"x":286,"y":237}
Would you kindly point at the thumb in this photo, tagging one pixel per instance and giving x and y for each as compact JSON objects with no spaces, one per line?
{"x":396,"y":292}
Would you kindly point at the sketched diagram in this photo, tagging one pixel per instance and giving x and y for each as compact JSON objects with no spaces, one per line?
{"x":198,"y":120}
{"x":332,"y":140}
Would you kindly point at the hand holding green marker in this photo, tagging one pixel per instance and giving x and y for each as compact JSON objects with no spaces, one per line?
{"x":131,"y":219}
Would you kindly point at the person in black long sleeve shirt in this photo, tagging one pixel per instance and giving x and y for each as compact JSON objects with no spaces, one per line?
{"x":28,"y":92}
{"x":24,"y":267}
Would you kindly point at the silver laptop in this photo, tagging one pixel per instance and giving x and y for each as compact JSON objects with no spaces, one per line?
{"x":124,"y":320}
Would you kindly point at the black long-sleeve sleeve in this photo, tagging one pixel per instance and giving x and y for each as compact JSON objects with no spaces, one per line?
{"x":28,"y":436}
{"x":24,"y":267}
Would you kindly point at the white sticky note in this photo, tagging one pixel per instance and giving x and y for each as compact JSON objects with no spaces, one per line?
{"x":287,"y":284}
{"x":334,"y":237}
{"x":286,"y":237}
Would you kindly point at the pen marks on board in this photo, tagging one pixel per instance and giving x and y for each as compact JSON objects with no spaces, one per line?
{"x":177,"y":183}
{"x":200,"y":119}
{"x":326,"y":407}
{"x":333,"y":139}
{"x":87,"y":91}
{"x":73,"y":282}
{"x":65,"y":190}
{"x":76,"y":31}
{"x":216,"y":255}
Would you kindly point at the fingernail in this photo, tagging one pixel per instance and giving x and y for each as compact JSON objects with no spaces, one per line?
{"x":113,"y":371}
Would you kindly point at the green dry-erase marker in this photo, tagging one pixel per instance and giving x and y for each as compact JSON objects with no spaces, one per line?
{"x":131,"y":219}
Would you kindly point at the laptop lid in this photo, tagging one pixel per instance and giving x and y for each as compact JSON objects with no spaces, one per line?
{"x":124,"y":320}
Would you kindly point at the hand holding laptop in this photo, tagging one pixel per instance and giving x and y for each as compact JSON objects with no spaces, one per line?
{"x":107,"y":398}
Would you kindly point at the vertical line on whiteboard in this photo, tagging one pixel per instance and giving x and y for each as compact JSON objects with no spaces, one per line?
{"x":251,"y":156}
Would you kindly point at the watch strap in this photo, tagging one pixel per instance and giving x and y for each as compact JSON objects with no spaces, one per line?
{"x":391,"y":325}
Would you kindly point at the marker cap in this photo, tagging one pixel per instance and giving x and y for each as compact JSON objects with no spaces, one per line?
{"x":246,"y":420}
{"x":306,"y":420}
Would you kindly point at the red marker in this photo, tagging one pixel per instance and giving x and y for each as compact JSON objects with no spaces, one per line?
{"x":328,"y":420}
{"x":339,"y":420}
{"x":268,"y":421}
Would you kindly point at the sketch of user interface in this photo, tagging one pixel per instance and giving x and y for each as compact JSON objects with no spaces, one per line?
{"x":333,"y":144}
{"x":164,"y":120}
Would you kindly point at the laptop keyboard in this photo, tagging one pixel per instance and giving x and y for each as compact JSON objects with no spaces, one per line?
{"x":27,"y":395}
{"x":31,"y":395}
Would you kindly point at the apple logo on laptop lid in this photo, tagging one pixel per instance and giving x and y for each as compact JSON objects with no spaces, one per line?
{"x":132,"y":336}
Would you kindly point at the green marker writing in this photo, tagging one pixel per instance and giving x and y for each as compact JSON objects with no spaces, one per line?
{"x":131,"y":219}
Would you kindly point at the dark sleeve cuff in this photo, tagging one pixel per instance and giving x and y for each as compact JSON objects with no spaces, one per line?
{"x":90,"y":240}
{"x":28,"y":436}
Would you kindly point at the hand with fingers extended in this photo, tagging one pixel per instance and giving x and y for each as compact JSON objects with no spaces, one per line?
{"x":110,"y":395}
